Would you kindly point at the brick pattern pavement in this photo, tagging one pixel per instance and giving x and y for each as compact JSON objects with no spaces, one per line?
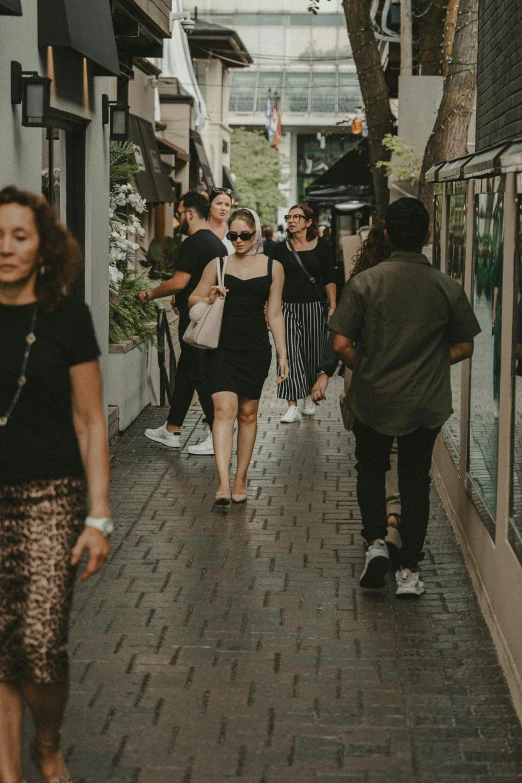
{"x":240,"y":646}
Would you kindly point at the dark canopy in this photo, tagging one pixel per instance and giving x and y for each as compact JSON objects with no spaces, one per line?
{"x":85,"y":27}
{"x":152,"y":180}
{"x":349,"y":178}
{"x":197,"y":150}
{"x":10,"y":7}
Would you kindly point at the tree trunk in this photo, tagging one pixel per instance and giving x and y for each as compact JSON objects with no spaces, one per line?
{"x":449,"y":34}
{"x":449,"y":138}
{"x":374,"y":92}
{"x":431,"y":16}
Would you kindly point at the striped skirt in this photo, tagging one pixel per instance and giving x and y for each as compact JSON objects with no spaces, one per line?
{"x":306,"y":336}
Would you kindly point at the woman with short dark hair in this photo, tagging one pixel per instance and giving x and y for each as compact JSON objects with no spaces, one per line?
{"x":53,"y":454}
{"x":309,"y":300}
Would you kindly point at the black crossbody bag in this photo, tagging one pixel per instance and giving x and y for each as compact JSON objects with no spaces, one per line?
{"x":325,"y":304}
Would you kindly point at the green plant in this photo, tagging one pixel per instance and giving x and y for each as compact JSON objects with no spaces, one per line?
{"x":162,"y":260}
{"x":257,"y":168}
{"x":406,"y":163}
{"x":129,"y":318}
{"x":122,"y":161}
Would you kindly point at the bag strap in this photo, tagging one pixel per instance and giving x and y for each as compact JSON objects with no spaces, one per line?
{"x":221,"y":270}
{"x":312,"y":280}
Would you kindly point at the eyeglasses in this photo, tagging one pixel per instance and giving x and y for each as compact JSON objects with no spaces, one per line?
{"x":178,"y":214}
{"x":227,"y":191}
{"x":291,"y":218}
{"x":244,"y":236}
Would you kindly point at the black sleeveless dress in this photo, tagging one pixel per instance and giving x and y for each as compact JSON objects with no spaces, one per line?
{"x":241,"y":362}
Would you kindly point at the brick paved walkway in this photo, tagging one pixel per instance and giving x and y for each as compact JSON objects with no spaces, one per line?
{"x":219,"y":647}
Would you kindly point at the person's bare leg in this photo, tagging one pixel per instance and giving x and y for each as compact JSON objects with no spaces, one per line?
{"x":246,"y":438}
{"x":292,"y":403}
{"x":11,"y":732}
{"x":47,"y":704}
{"x":225,"y":413}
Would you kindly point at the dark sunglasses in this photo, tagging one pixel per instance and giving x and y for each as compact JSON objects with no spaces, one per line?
{"x":244,"y":236}
{"x":227,"y":191}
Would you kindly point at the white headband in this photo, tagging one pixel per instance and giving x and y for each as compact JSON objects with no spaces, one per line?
{"x":257,"y":247}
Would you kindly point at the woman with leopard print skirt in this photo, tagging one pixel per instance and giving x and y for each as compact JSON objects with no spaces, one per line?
{"x":53,"y":455}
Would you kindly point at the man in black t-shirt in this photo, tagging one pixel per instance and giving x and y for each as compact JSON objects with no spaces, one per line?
{"x":200,"y":247}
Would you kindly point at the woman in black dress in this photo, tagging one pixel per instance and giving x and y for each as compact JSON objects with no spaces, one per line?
{"x":238,"y":368}
{"x":53,"y":455}
{"x":304,"y":307}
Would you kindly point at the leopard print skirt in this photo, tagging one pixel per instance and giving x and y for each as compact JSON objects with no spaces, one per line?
{"x":40,"y":522}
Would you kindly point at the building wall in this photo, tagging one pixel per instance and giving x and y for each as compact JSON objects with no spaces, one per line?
{"x":74,"y":90}
{"x":499,"y":72}
{"x":216,"y":133}
{"x":306,"y":59}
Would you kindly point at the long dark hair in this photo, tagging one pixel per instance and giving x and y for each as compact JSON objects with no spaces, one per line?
{"x":374,"y":249}
{"x":60,"y":253}
{"x":312,"y":231}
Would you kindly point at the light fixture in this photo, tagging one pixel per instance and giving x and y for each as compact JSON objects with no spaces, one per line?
{"x":34,"y":93}
{"x":117,"y":115}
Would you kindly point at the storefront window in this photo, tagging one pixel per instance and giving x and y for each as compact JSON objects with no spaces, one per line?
{"x":485,"y":367}
{"x":456,"y":249}
{"x":515,"y":533}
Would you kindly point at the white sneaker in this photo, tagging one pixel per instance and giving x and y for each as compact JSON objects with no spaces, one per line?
{"x":161,"y":435}
{"x":408,"y":583}
{"x":376,"y":566}
{"x":206,"y":447}
{"x":291,"y":415}
{"x":308,"y":407}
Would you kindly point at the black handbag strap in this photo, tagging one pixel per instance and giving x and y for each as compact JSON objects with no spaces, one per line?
{"x":312,"y":279}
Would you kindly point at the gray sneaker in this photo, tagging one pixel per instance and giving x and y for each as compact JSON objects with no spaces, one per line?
{"x":408,"y":583}
{"x":376,"y":566}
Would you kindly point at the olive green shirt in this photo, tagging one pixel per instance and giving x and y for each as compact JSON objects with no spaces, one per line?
{"x":403,"y":315}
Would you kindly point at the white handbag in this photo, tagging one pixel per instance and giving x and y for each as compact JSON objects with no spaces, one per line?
{"x":205,"y":323}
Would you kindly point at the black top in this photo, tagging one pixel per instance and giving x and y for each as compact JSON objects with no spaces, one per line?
{"x":318,"y":262}
{"x":194,"y":254}
{"x":244,"y":326}
{"x":269,"y":246}
{"x":39,"y":441}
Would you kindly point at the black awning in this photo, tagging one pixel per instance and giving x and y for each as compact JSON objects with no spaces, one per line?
{"x":199,"y":150}
{"x":228,"y":182}
{"x":85,"y":27}
{"x":152,"y":180}
{"x":350,"y":178}
{"x":10,"y":7}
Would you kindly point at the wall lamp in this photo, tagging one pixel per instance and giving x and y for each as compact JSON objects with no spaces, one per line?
{"x":117,"y":115}
{"x":34,"y":93}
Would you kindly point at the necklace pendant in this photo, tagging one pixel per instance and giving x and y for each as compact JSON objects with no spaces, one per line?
{"x":22,"y":380}
{"x":3,"y":421}
{"x":31,"y":338}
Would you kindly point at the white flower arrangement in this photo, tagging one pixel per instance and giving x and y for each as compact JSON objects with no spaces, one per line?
{"x":125,"y":227}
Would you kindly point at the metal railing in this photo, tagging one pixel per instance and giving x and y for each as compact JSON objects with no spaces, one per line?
{"x":167,"y":376}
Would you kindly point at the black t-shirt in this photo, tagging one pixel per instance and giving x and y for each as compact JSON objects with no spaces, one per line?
{"x":318,"y":262}
{"x":194,"y":254}
{"x":39,"y":441}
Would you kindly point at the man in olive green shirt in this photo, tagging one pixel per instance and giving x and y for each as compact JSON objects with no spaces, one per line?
{"x":399,"y":326}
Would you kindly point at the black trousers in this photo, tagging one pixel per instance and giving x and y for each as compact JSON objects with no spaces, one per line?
{"x":191,"y":376}
{"x":372,"y":453}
